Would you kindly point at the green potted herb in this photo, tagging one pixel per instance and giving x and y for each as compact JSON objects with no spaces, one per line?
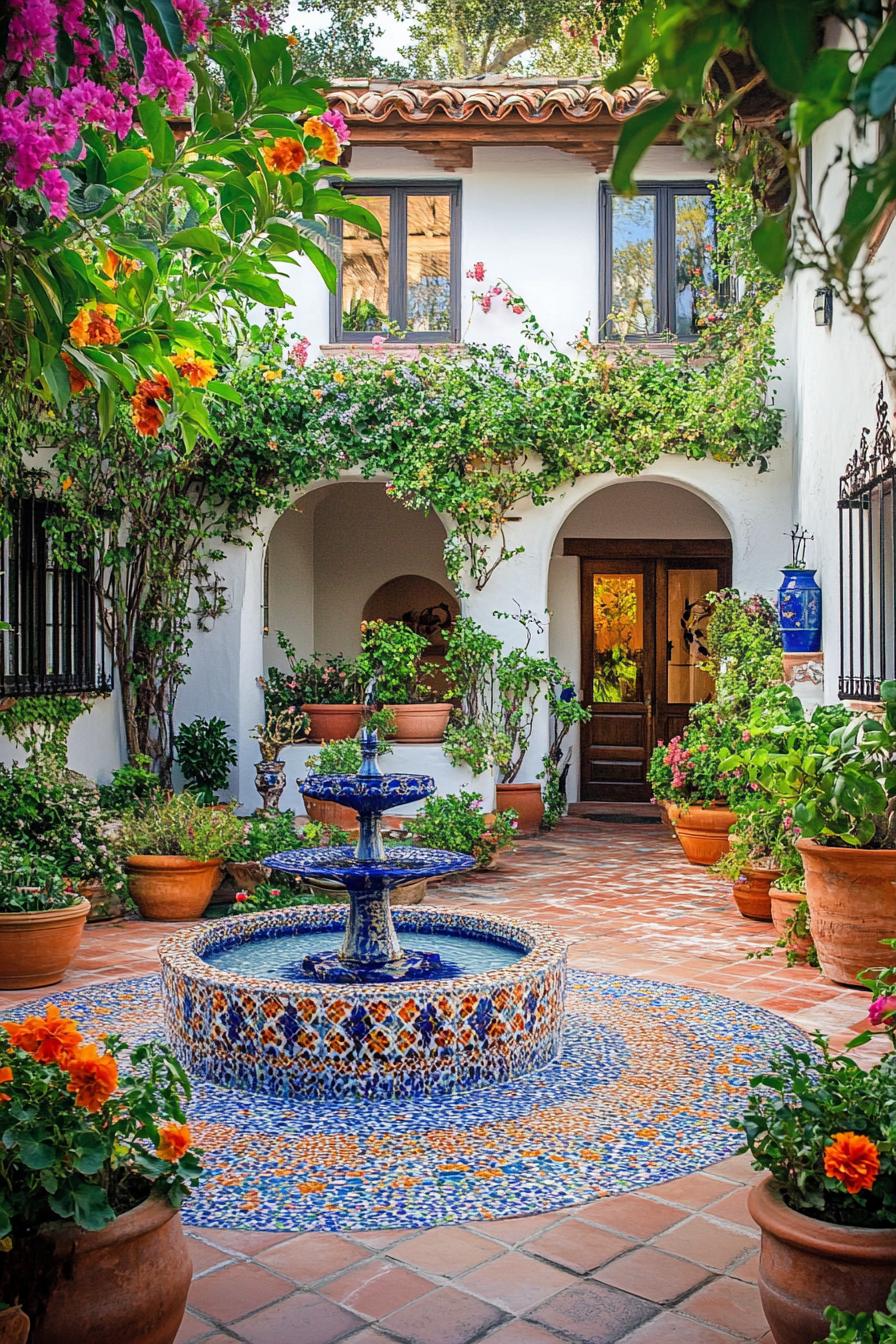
{"x":174,"y":853}
{"x":206,"y":756}
{"x":42,"y":918}
{"x":458,"y":821}
{"x":392,"y":657}
{"x":265,"y":833}
{"x":328,"y":690}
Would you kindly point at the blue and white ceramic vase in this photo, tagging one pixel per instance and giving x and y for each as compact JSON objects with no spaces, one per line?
{"x":799,"y":611}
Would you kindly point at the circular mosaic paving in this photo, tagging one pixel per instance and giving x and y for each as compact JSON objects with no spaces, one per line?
{"x":648,"y":1079}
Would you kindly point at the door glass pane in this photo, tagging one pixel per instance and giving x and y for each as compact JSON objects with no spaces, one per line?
{"x":633,"y":297}
{"x":365,"y":270}
{"x":429,"y":263}
{"x":686,"y":635}
{"x":694,"y":269}
{"x":618,"y":605}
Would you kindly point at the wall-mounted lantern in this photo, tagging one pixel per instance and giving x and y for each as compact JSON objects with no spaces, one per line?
{"x":824,"y":306}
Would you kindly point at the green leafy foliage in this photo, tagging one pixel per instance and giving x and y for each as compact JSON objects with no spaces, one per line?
{"x":266,"y":833}
{"x":457,"y":821}
{"x":42,"y":723}
{"x":862,"y":1327}
{"x":392,"y":658}
{"x":206,"y":754}
{"x":181,"y":825}
{"x":317,"y":680}
{"x":130,"y":787}
{"x":32,"y":882}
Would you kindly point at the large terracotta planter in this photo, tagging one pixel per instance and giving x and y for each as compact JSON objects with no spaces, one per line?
{"x":784,"y":904}
{"x":35,"y":949}
{"x":751,"y":893}
{"x":330,"y":814}
{"x":806,"y":1265}
{"x":703,"y":833}
{"x":419,"y":723}
{"x":331,"y":723}
{"x":125,"y":1284}
{"x":526,"y":801}
{"x":852,"y":907}
{"x":169,"y":886}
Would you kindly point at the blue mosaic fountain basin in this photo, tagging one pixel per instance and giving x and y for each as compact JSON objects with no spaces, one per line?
{"x":403,"y":863}
{"x":373,"y":793}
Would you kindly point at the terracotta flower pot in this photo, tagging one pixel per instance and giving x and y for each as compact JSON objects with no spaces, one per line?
{"x":330,"y":814}
{"x":35,"y":949}
{"x":103,"y":904}
{"x":14,"y":1326}
{"x":527,"y":802}
{"x":784,"y":904}
{"x":751,"y":895}
{"x":420,"y":723}
{"x":128,"y":1282}
{"x":852,"y":906}
{"x":169,"y":886}
{"x":806,"y":1265}
{"x":249,"y":875}
{"x":703,"y":833}
{"x":331,"y":723}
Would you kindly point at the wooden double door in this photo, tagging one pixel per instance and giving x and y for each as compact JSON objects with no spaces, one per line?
{"x":643,"y":628}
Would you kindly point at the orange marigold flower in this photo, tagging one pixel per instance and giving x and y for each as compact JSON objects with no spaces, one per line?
{"x":94,"y":325}
{"x":67,"y":482}
{"x":146,"y":412}
{"x":77,"y":380}
{"x":284,"y":155}
{"x":174,"y":1140}
{"x":853,"y":1160}
{"x":329,"y":147}
{"x":51,"y":1039}
{"x":5,"y":1077}
{"x":195,"y":368}
{"x":94,"y":1077}
{"x":115,"y":263}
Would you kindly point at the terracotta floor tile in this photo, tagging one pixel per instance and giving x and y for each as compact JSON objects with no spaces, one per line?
{"x":728,"y":1304}
{"x":376,"y":1288}
{"x":706,"y":1242}
{"x":594,"y":1313}
{"x":378,"y":1241}
{"x":312,"y":1256}
{"x":670,"y":1328}
{"x":733,"y":1208}
{"x":446,"y":1251}
{"x":204,"y":1256}
{"x":515,"y":1282}
{"x":631,"y":1216}
{"x":577,"y":1245}
{"x":736,"y":1168}
{"x":445,"y":1316}
{"x":512,"y":1231}
{"x":369,"y":1336}
{"x":245,"y":1243}
{"x":694,"y":1192}
{"x":228,"y":1293}
{"x":652,"y":1275}
{"x":191,"y":1328}
{"x":303,"y":1318}
{"x":748,"y":1269}
{"x":521,"y":1332}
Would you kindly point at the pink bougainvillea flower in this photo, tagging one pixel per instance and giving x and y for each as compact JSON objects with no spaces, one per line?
{"x":476,"y":271}
{"x":298,"y":353}
{"x":252,"y":20}
{"x":339,"y":124}
{"x":164,"y":74}
{"x":32,"y":33}
{"x":881,"y":1009}
{"x":193,"y":15}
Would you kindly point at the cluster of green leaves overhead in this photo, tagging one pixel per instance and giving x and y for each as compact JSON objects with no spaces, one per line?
{"x":209,"y":224}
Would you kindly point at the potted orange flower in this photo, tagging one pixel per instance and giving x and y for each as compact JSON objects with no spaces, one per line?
{"x":823,"y":1129}
{"x":94,"y":1164}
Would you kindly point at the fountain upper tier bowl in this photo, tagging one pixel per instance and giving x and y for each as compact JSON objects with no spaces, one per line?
{"x":369,"y":794}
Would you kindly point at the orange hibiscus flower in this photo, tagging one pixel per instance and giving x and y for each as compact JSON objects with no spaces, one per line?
{"x":114,"y":263}
{"x":853,"y":1160}
{"x":197,"y":370}
{"x":94,"y":325}
{"x":51,"y":1039}
{"x":284,"y":155}
{"x":5,"y":1077}
{"x":174,"y":1140}
{"x":147,"y":412}
{"x":77,"y":381}
{"x":94,"y":1077}
{"x":329,"y":147}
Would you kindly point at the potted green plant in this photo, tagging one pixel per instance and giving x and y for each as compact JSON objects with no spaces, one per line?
{"x":97,"y":1159}
{"x":206,"y":756}
{"x":458,"y":821}
{"x":392,"y":657}
{"x":42,"y":918}
{"x":265,"y":833}
{"x":174,"y":852}
{"x":131,"y":785}
{"x":751,"y":861}
{"x":862,"y":1327}
{"x":821,"y":1126}
{"x":686,"y":774}
{"x":328,"y":690}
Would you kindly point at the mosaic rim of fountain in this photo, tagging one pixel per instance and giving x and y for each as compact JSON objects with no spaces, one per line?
{"x":332,"y":1042}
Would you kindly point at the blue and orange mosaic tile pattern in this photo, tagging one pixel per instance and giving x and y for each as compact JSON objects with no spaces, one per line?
{"x":644,"y":1090}
{"x":397,"y":1041}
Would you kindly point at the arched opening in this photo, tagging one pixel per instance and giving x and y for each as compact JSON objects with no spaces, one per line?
{"x":629,"y":569}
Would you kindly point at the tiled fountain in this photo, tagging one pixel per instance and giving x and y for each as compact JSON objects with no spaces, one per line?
{"x":327,"y":1002}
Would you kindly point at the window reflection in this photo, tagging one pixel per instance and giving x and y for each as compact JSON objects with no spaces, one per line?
{"x":429,"y":263}
{"x":633,"y":299}
{"x":694,"y":245}
{"x":687,"y":683}
{"x":618,"y":607}
{"x":365,"y":270}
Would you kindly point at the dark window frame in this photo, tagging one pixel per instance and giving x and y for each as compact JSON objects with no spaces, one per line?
{"x":664,"y":194}
{"x":398,"y":192}
{"x":54,"y":645}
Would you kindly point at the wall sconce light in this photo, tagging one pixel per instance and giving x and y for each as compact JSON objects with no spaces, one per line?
{"x":824,"y":306}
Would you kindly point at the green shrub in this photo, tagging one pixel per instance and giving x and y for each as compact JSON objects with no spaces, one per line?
{"x":31,"y":883}
{"x":131,"y":786}
{"x":181,"y":825}
{"x":863,"y":1327}
{"x":206,"y":755}
{"x":456,"y":821}
{"x":392,"y":656}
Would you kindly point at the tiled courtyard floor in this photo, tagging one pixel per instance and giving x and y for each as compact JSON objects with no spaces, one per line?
{"x":672,"y":1264}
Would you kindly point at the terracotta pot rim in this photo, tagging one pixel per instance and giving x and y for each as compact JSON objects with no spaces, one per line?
{"x":829,"y":1240}
{"x":80,"y":907}
{"x":427,"y":707}
{"x":144,"y":1217}
{"x":521,"y":787}
{"x":881,"y":856}
{"x":178,"y":863}
{"x":752,"y":871}
{"x":342,"y":708}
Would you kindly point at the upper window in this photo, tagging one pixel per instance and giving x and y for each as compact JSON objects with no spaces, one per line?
{"x":410,"y":277}
{"x":52,"y":642}
{"x":656,"y":254}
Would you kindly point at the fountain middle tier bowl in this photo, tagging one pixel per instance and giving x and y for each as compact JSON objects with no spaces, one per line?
{"x":246,"y":1029}
{"x":369,"y":793}
{"x":401,"y":863}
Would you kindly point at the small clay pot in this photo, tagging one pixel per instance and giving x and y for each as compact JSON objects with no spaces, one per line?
{"x":806,"y":1264}
{"x":331,"y":723}
{"x":36,"y":948}
{"x":125,"y":1284}
{"x":170,"y":886}
{"x":104,"y":905}
{"x":247,"y":876}
{"x":784,"y":904}
{"x":751,"y":893}
{"x":852,"y":906}
{"x":703,"y":833}
{"x":526,"y":801}
{"x":419,"y":723}
{"x":330,"y":814}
